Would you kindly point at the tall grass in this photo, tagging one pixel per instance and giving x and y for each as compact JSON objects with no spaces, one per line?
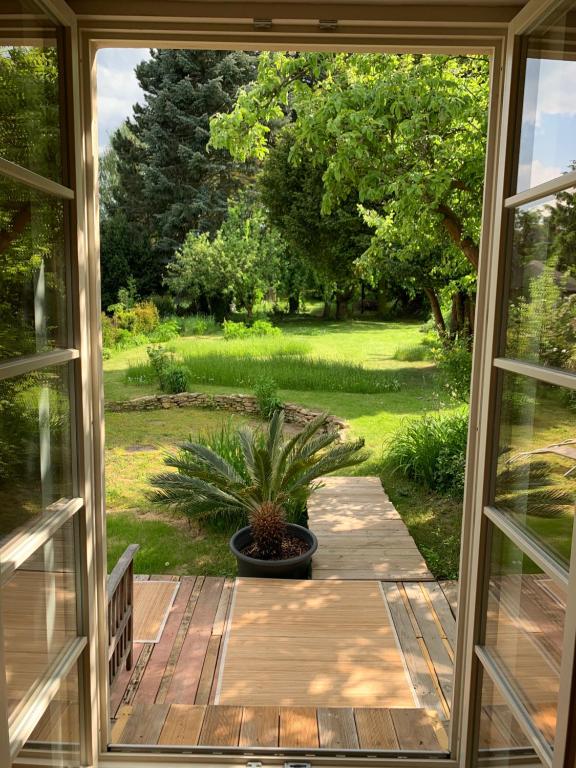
{"x":431,"y":450}
{"x":413,"y":353}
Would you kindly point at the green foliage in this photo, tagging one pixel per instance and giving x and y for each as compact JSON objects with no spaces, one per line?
{"x":281,"y":472}
{"x":402,"y":134}
{"x":412,"y":353}
{"x":237,"y":265}
{"x":454,"y":363}
{"x":165,"y":331}
{"x":175,"y":380}
{"x":258,"y":328}
{"x":431,"y":450}
{"x":267,"y":397}
{"x":131,"y":323}
{"x":198,"y":325}
{"x":168,"y":183}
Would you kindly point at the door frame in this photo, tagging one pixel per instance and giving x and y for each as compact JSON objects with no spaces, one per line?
{"x":399,"y":35}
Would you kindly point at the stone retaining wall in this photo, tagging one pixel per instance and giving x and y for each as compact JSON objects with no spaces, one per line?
{"x":294,"y":414}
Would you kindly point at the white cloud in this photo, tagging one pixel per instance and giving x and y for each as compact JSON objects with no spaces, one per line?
{"x":117,"y":89}
{"x":536,"y":172}
{"x":555,"y":85}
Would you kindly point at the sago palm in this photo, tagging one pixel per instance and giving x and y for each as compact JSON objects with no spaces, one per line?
{"x":279,"y":471}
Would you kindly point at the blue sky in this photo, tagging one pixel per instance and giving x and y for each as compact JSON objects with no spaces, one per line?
{"x":548,"y":143}
{"x":118,"y":89}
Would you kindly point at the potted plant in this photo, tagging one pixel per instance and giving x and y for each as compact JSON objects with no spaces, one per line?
{"x":278,"y":473}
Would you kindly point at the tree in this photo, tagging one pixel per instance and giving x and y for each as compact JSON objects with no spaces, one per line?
{"x":406,"y":134}
{"x":325,"y":244}
{"x":239,"y":264}
{"x":169,"y":184}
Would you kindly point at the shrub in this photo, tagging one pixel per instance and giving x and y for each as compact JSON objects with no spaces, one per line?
{"x":267,"y":397}
{"x":164,"y":305}
{"x":264,"y":328}
{"x":145,"y":317}
{"x":174,"y":380}
{"x":431,"y":450}
{"x":234,"y":330}
{"x":165,"y":331}
{"x":198,"y":325}
{"x":160,"y":360}
{"x":454,"y":363}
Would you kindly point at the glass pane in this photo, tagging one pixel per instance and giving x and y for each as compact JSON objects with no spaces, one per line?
{"x":542,"y":309}
{"x":29,"y":95}
{"x":57,"y":735}
{"x":32,"y":271}
{"x":536,"y":473}
{"x":548,"y":133}
{"x":524,"y":629}
{"x":35,"y":445}
{"x":39,"y":613}
{"x":499,"y":729}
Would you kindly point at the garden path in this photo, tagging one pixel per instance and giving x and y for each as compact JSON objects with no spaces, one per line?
{"x":360,"y":534}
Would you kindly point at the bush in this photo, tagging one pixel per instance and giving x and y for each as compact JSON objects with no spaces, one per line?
{"x":145,"y":317}
{"x":234,"y":330}
{"x":267,"y":397}
{"x":175,"y":380}
{"x":454,"y":363}
{"x":165,"y":331}
{"x":198,"y":325}
{"x":431,"y":450}
{"x":164,"y":305}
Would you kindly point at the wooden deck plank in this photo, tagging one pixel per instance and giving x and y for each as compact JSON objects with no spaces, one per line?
{"x":187,"y":673}
{"x":260,"y":727}
{"x":182,"y":725}
{"x":337,"y":728}
{"x":430,"y":629}
{"x":414,"y":730}
{"x":209,"y":669}
{"x":441,"y":606}
{"x":179,"y":641}
{"x":298,"y":728}
{"x":418,"y":669}
{"x":450,"y":589}
{"x":375,"y":728}
{"x":221,"y":726}
{"x":144,"y":725}
{"x":223,"y":608}
{"x":150,"y":684}
{"x":118,"y":688}
{"x":361,"y":536}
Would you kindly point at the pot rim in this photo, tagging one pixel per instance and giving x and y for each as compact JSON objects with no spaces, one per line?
{"x":275,"y":563}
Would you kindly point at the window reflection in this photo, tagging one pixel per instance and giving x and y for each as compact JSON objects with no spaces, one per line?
{"x":35,"y":445}
{"x":536,"y":474}
{"x":542,"y":303}
{"x":499,"y":729}
{"x":39,"y":613}
{"x":524,"y":631}
{"x":548,"y":133}
{"x":29,"y":107}
{"x":33,"y":309}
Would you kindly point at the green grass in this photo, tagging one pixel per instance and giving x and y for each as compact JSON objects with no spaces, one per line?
{"x":338,"y":348}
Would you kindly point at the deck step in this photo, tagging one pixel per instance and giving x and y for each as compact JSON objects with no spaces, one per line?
{"x":331,"y":728}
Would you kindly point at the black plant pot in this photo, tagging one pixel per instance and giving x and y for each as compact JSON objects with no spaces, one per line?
{"x":292,"y":568}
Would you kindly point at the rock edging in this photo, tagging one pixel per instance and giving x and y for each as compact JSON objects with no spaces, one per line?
{"x":247,"y":404}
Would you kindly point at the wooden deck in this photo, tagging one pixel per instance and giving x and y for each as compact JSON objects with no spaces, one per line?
{"x":173,"y":684}
{"x":360,"y":534}
{"x":312,"y":643}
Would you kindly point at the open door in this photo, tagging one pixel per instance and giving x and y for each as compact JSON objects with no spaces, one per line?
{"x":521,"y":620}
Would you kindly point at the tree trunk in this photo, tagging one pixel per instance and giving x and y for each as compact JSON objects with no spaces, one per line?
{"x":382,"y":299}
{"x":19,"y":222}
{"x":436,"y":311}
{"x":342,"y":299}
{"x":326,"y":310}
{"x":249,"y":312}
{"x":293,"y":304}
{"x":453,"y":226}
{"x":458,"y":320}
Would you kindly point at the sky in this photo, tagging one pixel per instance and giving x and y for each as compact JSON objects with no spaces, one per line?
{"x":548,"y":137}
{"x":118,"y":89}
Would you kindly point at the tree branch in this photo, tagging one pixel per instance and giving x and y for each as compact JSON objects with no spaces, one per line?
{"x":453,"y":226}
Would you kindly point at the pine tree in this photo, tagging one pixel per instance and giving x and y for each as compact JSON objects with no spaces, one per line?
{"x":169,"y":183}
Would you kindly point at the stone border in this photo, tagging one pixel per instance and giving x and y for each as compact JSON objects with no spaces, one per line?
{"x":247,"y":404}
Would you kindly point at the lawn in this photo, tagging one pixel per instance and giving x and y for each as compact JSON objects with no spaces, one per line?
{"x":362,"y":350}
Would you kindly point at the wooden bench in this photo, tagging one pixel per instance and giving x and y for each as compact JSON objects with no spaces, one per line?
{"x":121,"y":613}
